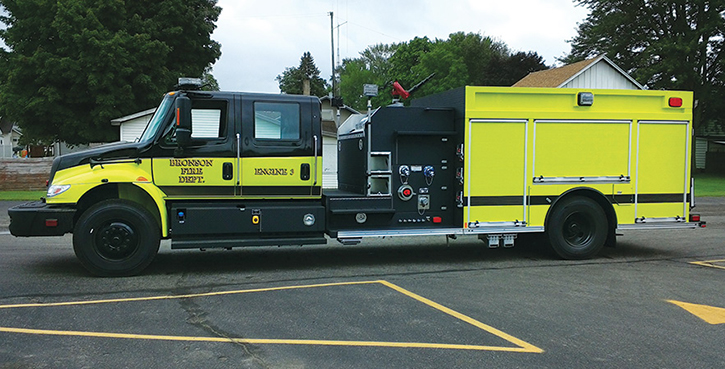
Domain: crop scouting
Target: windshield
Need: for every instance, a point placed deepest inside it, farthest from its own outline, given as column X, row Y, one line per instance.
column 157, row 119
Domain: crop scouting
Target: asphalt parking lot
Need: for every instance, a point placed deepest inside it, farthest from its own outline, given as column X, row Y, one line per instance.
column 654, row 301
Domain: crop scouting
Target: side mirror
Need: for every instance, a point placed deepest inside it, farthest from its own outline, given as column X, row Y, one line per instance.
column 183, row 121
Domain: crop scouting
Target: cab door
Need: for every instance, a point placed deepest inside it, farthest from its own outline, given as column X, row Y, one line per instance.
column 281, row 147
column 207, row 167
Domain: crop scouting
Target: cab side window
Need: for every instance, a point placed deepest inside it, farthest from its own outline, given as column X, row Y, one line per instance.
column 208, row 122
column 276, row 121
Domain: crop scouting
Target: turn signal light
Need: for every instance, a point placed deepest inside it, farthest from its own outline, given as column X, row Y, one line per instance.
column 51, row 222
column 675, row 102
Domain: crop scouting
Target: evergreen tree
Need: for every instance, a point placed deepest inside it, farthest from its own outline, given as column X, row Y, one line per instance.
column 291, row 81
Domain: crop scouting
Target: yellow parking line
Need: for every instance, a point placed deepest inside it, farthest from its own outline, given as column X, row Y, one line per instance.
column 522, row 345
column 173, row 297
column 709, row 263
column 261, row 340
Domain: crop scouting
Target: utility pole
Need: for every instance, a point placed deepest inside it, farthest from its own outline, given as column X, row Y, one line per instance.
column 332, row 42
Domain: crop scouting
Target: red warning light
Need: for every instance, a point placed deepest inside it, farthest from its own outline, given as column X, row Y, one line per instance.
column 437, row 220
column 407, row 192
column 675, row 102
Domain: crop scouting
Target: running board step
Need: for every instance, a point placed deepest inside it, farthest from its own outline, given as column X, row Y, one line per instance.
column 194, row 243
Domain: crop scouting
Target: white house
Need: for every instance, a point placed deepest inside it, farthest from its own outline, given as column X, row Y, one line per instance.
column 131, row 127
column 595, row 73
column 9, row 136
column 330, row 122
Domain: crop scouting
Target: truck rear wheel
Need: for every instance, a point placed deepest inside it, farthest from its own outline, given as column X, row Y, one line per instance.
column 116, row 238
column 577, row 228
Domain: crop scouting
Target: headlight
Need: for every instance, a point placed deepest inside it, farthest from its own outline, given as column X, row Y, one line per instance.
column 55, row 190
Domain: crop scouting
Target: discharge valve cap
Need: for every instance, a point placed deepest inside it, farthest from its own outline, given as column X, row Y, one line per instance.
column 405, row 192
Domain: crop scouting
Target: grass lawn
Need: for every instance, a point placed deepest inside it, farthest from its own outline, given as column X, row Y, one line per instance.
column 709, row 185
column 21, row 195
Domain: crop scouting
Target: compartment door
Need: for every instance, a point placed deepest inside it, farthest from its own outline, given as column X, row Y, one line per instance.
column 495, row 186
column 662, row 169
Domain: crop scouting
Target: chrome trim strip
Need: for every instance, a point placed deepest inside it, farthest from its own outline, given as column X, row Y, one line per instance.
column 612, row 121
column 503, row 230
column 629, row 150
column 315, row 143
column 342, row 235
column 676, row 219
column 687, row 167
column 474, row 120
column 659, row 225
column 517, row 224
column 636, row 172
column 601, row 179
column 469, row 171
column 239, row 166
column 526, row 169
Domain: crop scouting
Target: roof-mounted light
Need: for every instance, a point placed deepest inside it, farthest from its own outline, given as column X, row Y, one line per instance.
column 186, row 83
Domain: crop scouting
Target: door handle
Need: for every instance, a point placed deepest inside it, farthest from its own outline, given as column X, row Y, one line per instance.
column 305, row 171
column 227, row 171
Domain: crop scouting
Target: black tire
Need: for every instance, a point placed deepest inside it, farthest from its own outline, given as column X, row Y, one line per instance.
column 577, row 228
column 116, row 238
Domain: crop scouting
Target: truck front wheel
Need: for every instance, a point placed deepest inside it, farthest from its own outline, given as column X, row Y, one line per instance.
column 577, row 228
column 116, row 238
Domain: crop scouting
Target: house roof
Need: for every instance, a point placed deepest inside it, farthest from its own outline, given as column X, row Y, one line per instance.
column 6, row 126
column 118, row 121
column 558, row 77
column 345, row 107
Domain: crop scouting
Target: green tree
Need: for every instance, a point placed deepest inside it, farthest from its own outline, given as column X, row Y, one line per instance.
column 505, row 70
column 372, row 67
column 463, row 59
column 662, row 44
column 291, row 81
column 73, row 65
column 208, row 82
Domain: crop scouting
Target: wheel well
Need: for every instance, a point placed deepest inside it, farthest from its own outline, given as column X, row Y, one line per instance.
column 126, row 191
column 600, row 199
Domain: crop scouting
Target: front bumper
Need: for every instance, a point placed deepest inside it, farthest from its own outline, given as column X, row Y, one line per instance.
column 40, row 219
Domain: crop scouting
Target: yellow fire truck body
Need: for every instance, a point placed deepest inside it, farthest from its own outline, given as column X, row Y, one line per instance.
column 223, row 169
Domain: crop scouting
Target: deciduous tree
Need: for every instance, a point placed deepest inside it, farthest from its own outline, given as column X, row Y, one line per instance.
column 73, row 65
column 663, row 44
column 463, row 59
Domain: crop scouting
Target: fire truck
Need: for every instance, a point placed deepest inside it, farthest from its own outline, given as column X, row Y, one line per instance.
column 227, row 169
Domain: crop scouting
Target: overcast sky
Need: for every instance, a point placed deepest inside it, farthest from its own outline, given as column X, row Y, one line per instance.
column 261, row 38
